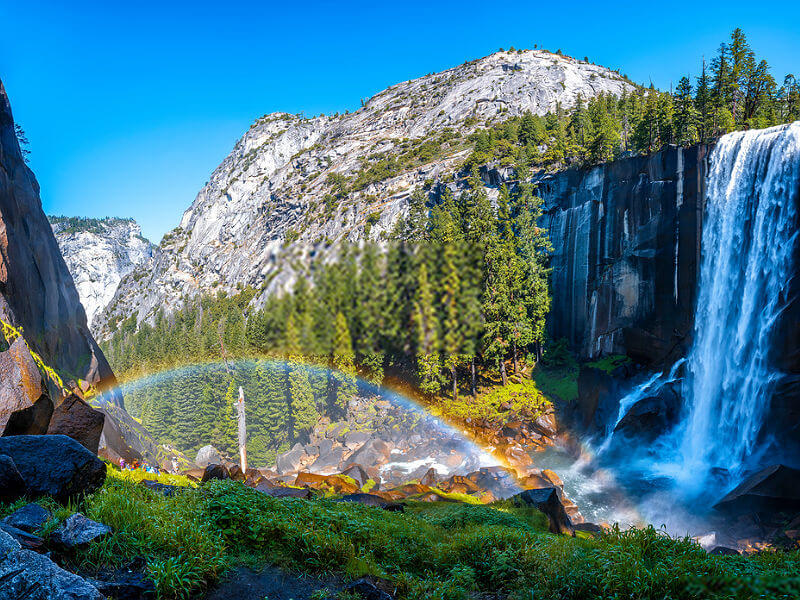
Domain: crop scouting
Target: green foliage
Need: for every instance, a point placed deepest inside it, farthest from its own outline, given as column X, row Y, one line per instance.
column 438, row 550
column 609, row 363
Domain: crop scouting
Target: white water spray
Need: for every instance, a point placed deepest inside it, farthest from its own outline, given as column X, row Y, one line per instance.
column 747, row 245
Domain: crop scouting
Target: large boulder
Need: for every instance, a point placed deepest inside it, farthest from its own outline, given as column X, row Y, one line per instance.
column 12, row 485
column 76, row 419
column 547, row 501
column 773, row 489
column 20, row 380
column 374, row 452
column 54, row 465
column 208, row 455
column 33, row 420
column 652, row 416
column 214, row 471
column 290, row 461
column 32, row 576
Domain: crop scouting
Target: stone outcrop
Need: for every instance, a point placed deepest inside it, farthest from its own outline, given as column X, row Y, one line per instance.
column 263, row 215
column 99, row 253
column 37, row 293
column 626, row 251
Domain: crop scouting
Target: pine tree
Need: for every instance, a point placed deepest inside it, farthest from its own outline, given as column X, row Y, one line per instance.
column 427, row 334
column 343, row 361
column 686, row 116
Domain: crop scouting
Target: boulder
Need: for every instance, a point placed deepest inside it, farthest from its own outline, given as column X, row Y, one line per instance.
column 328, row 461
column 366, row 589
column 652, row 416
column 32, row 576
column 355, row 439
column 372, row 453
column 547, row 501
column 54, row 465
column 78, row 532
column 33, row 420
column 287, row 492
column 125, row 586
column 358, row 473
column 335, row 483
column 20, row 380
column 76, row 419
column 290, row 461
column 723, row 551
column 214, row 471
column 373, row 500
column 28, row 518
column 773, row 489
column 12, row 485
column 207, row 455
column 430, row 478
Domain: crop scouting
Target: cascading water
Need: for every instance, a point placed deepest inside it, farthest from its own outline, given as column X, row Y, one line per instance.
column 749, row 233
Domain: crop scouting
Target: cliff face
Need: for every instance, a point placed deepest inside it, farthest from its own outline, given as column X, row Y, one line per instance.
column 36, row 290
column 271, row 207
column 626, row 238
column 99, row 253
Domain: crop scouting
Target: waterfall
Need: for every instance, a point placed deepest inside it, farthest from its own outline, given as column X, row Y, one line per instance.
column 749, row 233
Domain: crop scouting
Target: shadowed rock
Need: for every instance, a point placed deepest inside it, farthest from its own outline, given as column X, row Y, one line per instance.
column 76, row 419
column 12, row 485
column 54, row 465
column 547, row 501
column 33, row 420
column 773, row 489
column 28, row 518
column 213, row 471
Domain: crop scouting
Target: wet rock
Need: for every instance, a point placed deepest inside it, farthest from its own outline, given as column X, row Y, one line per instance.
column 214, row 471
column 430, row 478
column 207, row 455
column 33, row 420
column 32, row 576
column 336, row 483
column 20, row 380
column 547, row 501
column 355, row 439
column 76, row 419
column 773, row 489
column 652, row 416
column 588, row 527
column 329, row 461
column 54, row 465
column 373, row 452
column 367, row 590
column 28, row 518
column 598, row 399
column 78, row 532
column 553, row 478
column 125, row 586
column 12, row 485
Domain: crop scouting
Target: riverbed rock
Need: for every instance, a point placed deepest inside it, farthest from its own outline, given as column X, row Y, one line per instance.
column 214, row 471
column 28, row 518
column 287, row 492
column 77, row 531
column 27, row 575
column 54, row 465
column 28, row 541
column 366, row 589
column 290, row 461
column 76, row 419
column 547, row 501
column 125, row 586
column 207, row 455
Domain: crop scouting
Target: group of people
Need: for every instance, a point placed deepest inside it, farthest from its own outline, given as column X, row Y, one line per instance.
column 147, row 467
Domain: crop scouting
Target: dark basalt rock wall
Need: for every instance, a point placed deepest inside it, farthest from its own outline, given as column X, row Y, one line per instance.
column 36, row 290
column 626, row 253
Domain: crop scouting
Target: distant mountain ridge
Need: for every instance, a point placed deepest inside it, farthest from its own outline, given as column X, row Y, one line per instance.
column 99, row 253
column 276, row 203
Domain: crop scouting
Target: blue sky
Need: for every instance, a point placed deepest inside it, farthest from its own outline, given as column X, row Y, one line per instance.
column 130, row 106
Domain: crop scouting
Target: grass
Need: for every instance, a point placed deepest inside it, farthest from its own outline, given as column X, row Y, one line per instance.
column 557, row 383
column 610, row 362
column 439, row 551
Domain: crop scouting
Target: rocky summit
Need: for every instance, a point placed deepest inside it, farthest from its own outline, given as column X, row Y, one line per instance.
column 99, row 253
column 275, row 203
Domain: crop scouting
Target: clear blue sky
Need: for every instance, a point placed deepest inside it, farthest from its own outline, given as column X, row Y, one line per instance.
column 130, row 106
